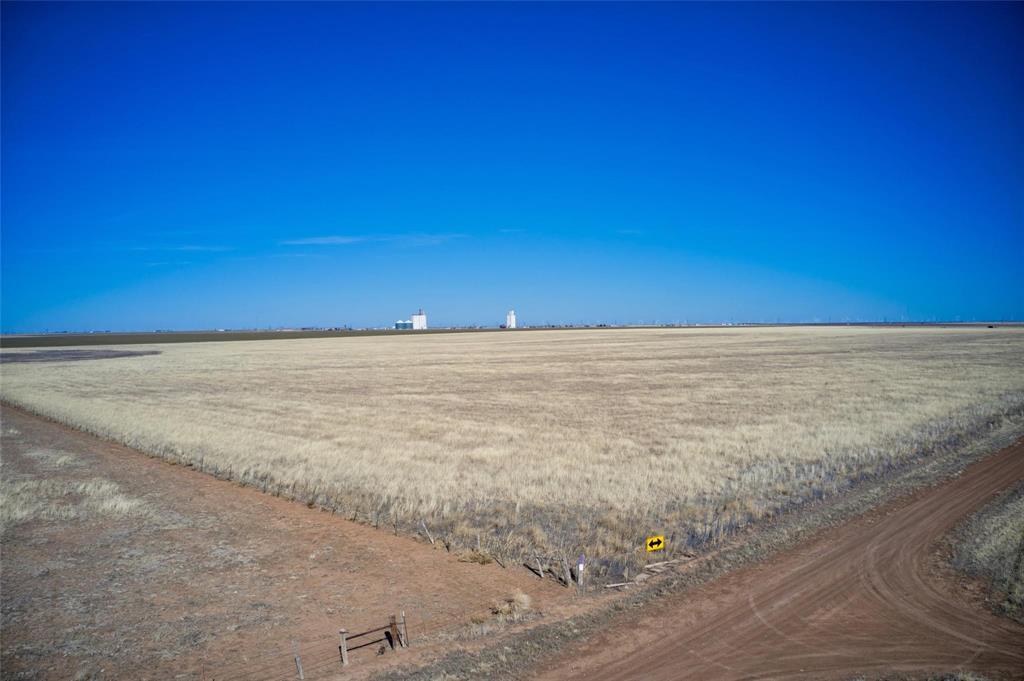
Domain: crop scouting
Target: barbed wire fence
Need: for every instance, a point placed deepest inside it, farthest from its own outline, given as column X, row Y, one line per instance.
column 320, row 658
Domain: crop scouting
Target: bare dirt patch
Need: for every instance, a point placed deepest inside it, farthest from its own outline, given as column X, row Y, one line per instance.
column 205, row 578
column 70, row 355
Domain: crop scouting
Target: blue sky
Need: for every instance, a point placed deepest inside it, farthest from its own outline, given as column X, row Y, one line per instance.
column 185, row 165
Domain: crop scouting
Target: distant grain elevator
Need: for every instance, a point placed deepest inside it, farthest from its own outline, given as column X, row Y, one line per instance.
column 419, row 321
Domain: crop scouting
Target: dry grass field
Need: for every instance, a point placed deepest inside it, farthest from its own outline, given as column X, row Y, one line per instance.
column 557, row 440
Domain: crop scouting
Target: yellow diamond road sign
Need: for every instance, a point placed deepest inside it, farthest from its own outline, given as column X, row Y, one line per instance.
column 656, row 543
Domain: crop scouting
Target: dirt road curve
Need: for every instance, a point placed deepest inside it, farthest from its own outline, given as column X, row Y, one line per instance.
column 867, row 597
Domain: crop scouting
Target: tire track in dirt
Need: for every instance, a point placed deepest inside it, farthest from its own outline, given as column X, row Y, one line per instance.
column 861, row 598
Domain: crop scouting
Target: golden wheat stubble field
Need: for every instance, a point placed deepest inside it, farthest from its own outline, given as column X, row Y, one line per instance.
column 554, row 441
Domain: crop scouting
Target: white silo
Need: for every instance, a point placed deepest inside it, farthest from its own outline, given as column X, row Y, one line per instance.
column 510, row 319
column 419, row 321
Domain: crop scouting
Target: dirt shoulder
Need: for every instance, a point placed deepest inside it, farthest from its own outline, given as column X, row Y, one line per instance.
column 207, row 579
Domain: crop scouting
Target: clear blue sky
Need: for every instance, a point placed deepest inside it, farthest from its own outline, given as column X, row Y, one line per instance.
column 187, row 165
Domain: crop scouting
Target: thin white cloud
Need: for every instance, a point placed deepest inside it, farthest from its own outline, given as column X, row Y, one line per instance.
column 282, row 255
column 185, row 248
column 423, row 239
column 326, row 241
column 411, row 239
column 204, row 249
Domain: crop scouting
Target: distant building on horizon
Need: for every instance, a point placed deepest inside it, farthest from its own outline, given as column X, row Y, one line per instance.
column 510, row 319
column 419, row 321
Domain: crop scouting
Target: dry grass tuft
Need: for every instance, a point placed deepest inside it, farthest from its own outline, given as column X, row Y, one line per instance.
column 52, row 459
column 23, row 500
column 513, row 607
column 475, row 557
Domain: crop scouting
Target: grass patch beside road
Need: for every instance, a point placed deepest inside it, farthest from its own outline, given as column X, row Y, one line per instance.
column 990, row 547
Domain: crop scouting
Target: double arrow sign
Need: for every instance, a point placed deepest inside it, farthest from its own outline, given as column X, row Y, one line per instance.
column 656, row 543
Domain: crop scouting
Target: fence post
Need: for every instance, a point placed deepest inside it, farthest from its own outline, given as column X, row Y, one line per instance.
column 405, row 632
column 344, row 647
column 393, row 626
column 298, row 661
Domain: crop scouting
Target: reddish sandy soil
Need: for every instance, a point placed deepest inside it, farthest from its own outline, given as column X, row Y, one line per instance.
column 217, row 581
column 868, row 597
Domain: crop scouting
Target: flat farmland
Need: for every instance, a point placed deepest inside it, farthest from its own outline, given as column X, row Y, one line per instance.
column 549, row 441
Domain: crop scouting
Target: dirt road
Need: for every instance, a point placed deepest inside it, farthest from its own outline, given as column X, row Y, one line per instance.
column 865, row 598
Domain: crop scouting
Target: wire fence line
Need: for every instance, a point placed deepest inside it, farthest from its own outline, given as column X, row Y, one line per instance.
column 253, row 664
column 320, row 655
column 313, row 659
